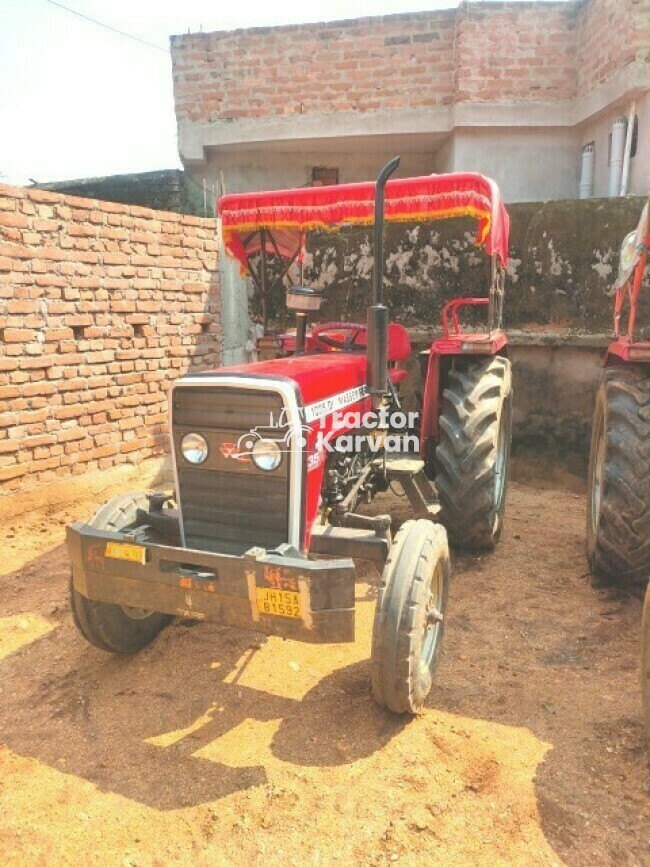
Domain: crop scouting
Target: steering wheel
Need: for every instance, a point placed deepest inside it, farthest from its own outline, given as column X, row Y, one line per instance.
column 322, row 341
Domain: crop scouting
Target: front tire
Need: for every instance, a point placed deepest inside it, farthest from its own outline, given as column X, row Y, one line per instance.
column 409, row 617
column 473, row 452
column 109, row 627
column 618, row 504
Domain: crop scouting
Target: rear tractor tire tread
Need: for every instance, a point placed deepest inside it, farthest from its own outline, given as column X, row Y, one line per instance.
column 620, row 547
column 476, row 395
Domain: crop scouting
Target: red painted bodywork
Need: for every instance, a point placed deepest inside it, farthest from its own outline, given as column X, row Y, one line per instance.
column 316, row 377
column 625, row 348
column 454, row 342
column 399, row 345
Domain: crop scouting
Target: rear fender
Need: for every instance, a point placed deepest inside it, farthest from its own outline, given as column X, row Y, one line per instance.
column 440, row 357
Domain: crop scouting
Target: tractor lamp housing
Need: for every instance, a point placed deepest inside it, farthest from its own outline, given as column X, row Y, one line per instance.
column 304, row 299
column 266, row 455
column 195, row 448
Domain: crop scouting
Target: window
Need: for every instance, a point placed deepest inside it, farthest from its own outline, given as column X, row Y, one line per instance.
column 324, row 177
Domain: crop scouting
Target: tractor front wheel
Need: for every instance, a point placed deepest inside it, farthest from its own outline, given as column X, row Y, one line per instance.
column 409, row 616
column 116, row 628
column 618, row 503
column 473, row 452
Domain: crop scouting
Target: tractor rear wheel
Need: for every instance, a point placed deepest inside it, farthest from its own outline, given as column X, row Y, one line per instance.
column 618, row 504
column 116, row 628
column 409, row 616
column 473, row 452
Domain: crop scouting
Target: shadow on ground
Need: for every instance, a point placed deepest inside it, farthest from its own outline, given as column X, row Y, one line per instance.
column 530, row 644
column 92, row 714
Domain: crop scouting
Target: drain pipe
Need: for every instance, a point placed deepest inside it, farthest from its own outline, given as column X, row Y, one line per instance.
column 587, row 172
column 625, row 174
column 616, row 157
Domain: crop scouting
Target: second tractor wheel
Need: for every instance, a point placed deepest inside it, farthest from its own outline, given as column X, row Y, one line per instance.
column 473, row 452
column 409, row 616
column 116, row 628
column 618, row 503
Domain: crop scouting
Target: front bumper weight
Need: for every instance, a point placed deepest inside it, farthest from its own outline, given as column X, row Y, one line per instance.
column 222, row 588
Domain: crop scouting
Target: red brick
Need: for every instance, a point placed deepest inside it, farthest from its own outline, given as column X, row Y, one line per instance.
column 43, row 196
column 38, row 363
column 12, row 219
column 18, row 335
column 45, row 226
column 16, row 251
column 22, row 306
column 13, row 472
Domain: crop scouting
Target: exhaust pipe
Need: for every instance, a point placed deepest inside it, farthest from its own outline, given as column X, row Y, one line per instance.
column 378, row 312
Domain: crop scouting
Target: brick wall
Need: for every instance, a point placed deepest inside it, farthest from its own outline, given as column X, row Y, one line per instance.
column 522, row 51
column 366, row 64
column 101, row 306
column 613, row 33
column 532, row 51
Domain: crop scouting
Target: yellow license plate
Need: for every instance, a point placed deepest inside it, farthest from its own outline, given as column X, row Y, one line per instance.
column 122, row 551
column 282, row 603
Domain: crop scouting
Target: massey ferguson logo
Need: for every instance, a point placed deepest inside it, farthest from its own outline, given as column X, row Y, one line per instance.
column 230, row 450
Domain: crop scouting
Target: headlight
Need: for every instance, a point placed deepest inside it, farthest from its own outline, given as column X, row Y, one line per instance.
column 266, row 455
column 194, row 448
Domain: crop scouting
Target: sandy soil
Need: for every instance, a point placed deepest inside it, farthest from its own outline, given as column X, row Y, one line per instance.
column 220, row 747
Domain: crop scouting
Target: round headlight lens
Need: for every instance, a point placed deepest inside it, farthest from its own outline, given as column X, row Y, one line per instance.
column 266, row 455
column 194, row 448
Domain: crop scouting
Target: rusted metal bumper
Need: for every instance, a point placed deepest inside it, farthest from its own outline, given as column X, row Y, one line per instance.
column 230, row 590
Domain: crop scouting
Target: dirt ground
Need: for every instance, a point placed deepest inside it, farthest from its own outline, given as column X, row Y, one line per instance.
column 216, row 747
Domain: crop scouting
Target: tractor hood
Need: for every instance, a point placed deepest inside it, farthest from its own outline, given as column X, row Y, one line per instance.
column 317, row 377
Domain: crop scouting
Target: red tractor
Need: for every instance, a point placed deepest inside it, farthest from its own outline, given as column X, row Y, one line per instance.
column 273, row 459
column 618, row 514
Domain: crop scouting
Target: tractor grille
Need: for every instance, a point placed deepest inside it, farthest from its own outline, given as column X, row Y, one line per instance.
column 228, row 505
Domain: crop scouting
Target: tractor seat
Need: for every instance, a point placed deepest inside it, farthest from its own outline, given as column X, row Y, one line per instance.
column 399, row 345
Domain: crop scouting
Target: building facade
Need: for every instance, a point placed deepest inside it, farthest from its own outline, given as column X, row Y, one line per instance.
column 538, row 95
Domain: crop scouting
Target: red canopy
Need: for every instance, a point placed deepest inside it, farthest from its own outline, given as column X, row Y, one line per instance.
column 290, row 213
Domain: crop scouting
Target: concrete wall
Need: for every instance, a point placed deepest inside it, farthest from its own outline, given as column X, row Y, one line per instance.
column 102, row 306
column 555, row 388
column 167, row 190
column 238, row 333
column 522, row 161
column 554, row 382
column 563, row 261
column 251, row 169
column 598, row 131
